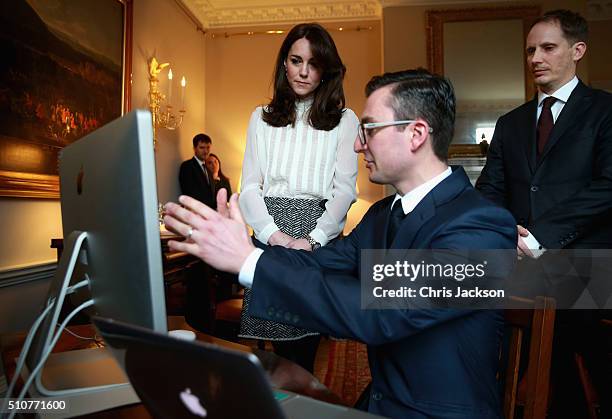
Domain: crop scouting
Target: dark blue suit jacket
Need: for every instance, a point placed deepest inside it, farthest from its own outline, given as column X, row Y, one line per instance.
column 425, row 363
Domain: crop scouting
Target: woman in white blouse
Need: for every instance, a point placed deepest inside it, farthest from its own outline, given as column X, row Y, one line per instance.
column 299, row 169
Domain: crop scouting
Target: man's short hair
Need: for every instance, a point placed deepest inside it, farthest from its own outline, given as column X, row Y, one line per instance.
column 574, row 27
column 421, row 94
column 201, row 138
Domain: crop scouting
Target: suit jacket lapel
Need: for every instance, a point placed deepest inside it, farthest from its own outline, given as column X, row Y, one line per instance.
column 528, row 131
column 578, row 103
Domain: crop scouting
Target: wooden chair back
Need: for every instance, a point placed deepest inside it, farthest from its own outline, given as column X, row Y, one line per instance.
column 537, row 319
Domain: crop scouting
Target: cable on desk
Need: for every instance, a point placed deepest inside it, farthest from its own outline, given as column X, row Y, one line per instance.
column 25, row 349
column 95, row 337
column 46, row 354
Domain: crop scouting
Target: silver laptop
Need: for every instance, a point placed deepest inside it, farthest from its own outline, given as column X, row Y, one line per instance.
column 181, row 379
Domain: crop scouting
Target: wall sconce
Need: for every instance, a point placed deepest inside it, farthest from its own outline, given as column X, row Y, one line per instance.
column 168, row 119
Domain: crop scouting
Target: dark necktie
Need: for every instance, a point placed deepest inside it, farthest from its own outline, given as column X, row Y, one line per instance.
column 206, row 173
column 395, row 219
column 545, row 123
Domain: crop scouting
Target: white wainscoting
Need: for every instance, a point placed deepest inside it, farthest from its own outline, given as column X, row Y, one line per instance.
column 22, row 292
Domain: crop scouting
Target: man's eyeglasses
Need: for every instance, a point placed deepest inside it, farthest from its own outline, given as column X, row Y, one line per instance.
column 365, row 128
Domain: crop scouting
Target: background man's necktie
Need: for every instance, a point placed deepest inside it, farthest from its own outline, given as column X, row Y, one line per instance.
column 395, row 219
column 205, row 173
column 545, row 123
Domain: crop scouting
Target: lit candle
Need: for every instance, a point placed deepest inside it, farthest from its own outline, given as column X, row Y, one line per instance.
column 183, row 85
column 169, row 86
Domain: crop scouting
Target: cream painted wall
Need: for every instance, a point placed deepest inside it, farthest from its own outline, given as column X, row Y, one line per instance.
column 161, row 29
column 496, row 76
column 238, row 78
column 28, row 226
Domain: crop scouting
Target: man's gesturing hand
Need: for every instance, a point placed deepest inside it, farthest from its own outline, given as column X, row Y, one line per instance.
column 220, row 239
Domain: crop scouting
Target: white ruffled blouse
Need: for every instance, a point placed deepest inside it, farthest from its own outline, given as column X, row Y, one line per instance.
column 299, row 162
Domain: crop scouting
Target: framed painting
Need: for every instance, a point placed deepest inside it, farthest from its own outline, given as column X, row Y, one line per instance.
column 65, row 71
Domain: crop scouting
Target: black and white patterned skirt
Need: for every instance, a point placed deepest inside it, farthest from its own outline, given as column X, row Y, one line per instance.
column 296, row 218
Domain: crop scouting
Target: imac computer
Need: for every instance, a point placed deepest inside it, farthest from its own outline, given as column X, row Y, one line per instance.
column 112, row 240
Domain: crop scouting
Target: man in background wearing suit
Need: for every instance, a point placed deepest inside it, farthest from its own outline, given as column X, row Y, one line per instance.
column 550, row 164
column 195, row 179
column 425, row 363
column 197, row 182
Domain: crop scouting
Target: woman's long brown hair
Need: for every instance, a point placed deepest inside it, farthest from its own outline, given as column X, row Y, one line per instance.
column 328, row 98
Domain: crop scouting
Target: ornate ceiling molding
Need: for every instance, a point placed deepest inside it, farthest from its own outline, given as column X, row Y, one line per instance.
column 214, row 14
column 395, row 3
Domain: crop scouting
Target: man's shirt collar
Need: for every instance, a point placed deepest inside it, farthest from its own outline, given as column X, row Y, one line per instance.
column 562, row 94
column 198, row 160
column 411, row 199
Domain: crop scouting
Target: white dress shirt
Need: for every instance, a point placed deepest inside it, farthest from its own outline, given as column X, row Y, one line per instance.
column 562, row 95
column 299, row 162
column 409, row 202
column 412, row 198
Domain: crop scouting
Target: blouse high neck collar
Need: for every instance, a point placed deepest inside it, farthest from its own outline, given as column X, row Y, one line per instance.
column 302, row 105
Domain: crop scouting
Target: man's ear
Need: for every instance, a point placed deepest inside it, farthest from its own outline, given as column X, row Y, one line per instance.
column 420, row 133
column 579, row 51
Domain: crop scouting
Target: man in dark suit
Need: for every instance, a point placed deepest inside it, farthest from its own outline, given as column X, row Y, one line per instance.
column 425, row 363
column 550, row 164
column 195, row 179
column 197, row 182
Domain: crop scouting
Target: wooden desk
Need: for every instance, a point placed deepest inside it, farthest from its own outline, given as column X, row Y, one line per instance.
column 173, row 262
column 283, row 374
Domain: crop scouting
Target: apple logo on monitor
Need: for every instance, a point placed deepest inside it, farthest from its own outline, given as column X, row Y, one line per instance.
column 192, row 403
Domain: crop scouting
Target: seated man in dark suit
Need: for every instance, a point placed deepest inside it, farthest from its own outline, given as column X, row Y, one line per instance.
column 194, row 178
column 425, row 363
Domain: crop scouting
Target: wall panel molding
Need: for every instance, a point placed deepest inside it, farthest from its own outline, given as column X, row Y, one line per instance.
column 18, row 276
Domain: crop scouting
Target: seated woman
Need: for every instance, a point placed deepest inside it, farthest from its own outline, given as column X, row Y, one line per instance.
column 213, row 164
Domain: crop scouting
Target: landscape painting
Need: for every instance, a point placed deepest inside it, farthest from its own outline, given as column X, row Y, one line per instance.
column 63, row 73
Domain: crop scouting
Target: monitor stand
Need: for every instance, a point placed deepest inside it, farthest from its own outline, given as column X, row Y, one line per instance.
column 89, row 380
